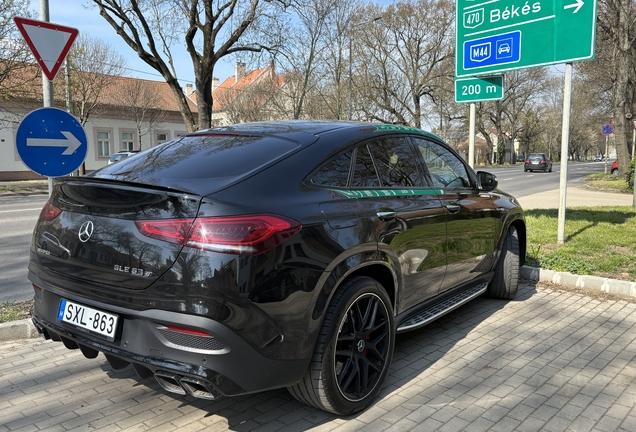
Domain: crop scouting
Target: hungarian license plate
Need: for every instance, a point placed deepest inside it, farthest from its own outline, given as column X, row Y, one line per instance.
column 94, row 320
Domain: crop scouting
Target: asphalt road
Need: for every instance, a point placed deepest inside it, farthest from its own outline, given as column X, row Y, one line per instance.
column 519, row 184
column 18, row 215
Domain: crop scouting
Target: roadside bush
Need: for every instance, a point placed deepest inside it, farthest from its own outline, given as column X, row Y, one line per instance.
column 629, row 176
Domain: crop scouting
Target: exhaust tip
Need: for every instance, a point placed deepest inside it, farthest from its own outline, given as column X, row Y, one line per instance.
column 169, row 382
column 197, row 389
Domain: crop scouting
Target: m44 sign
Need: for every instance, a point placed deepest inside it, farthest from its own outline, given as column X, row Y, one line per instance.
column 494, row 36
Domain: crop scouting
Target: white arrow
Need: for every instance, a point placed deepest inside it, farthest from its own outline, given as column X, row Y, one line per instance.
column 578, row 5
column 71, row 143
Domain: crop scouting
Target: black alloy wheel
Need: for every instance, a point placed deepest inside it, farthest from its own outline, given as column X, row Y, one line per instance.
column 362, row 347
column 354, row 350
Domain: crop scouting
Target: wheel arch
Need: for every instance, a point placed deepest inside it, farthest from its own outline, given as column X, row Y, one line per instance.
column 369, row 263
column 519, row 223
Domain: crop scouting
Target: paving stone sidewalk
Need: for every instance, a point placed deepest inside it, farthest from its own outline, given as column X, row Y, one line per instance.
column 547, row 361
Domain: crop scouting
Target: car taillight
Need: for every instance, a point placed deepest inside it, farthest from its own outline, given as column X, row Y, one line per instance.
column 49, row 212
column 527, row 161
column 245, row 235
column 169, row 230
column 543, row 162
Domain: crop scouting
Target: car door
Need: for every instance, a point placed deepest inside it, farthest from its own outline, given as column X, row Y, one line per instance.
column 406, row 213
column 471, row 214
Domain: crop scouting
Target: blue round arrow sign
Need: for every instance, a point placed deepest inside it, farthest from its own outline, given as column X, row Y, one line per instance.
column 51, row 142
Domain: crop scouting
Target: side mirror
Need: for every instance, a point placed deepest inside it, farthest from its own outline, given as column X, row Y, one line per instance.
column 486, row 181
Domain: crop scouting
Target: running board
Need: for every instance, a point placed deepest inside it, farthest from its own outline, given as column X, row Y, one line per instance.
column 437, row 310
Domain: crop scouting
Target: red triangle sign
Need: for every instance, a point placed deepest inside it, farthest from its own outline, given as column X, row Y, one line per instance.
column 50, row 43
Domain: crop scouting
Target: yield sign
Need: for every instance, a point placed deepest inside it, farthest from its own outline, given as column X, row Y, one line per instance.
column 50, row 43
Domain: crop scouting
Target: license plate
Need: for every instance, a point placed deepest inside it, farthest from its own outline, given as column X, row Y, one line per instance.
column 94, row 320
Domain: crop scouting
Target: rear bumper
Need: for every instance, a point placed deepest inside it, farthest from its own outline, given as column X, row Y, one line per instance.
column 228, row 366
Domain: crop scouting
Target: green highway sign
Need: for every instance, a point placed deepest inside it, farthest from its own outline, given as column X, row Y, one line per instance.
column 494, row 36
column 482, row 89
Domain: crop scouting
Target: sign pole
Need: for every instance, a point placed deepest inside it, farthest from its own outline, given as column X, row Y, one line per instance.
column 606, row 150
column 565, row 137
column 471, row 136
column 47, row 86
column 633, row 156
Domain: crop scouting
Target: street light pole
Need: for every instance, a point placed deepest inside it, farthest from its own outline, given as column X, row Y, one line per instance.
column 351, row 60
column 350, row 77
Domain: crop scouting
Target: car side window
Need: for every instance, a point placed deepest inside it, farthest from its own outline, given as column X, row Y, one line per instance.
column 395, row 162
column 445, row 169
column 364, row 175
column 334, row 173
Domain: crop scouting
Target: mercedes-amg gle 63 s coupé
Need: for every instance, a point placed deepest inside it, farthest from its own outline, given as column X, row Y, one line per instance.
column 280, row 254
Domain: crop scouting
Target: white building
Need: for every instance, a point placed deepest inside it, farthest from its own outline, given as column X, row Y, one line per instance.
column 129, row 114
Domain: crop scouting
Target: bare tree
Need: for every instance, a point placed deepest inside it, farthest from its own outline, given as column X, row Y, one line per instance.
column 617, row 25
column 17, row 74
column 94, row 66
column 142, row 103
column 407, row 59
column 210, row 31
column 302, row 56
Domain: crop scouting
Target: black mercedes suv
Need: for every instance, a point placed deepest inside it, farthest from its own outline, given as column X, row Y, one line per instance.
column 266, row 255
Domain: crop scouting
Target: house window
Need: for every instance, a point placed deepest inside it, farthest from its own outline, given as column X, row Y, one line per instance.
column 162, row 137
column 103, row 144
column 127, row 141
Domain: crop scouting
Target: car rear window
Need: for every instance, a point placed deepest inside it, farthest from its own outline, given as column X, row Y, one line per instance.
column 201, row 157
column 534, row 158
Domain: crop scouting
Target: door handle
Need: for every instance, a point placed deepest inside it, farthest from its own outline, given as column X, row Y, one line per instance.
column 386, row 215
column 452, row 207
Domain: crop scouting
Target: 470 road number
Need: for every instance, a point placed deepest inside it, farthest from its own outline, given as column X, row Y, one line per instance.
column 94, row 320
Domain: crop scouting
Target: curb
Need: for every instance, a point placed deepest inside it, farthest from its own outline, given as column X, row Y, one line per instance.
column 24, row 329
column 592, row 283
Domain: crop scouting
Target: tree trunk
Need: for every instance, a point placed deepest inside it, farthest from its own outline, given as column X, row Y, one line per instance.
column 622, row 133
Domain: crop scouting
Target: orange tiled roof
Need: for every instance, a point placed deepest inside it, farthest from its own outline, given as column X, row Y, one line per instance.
column 230, row 89
column 25, row 82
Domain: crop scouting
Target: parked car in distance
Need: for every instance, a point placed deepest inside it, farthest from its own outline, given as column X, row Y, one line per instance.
column 537, row 162
column 614, row 169
column 598, row 158
column 520, row 158
column 116, row 157
column 267, row 255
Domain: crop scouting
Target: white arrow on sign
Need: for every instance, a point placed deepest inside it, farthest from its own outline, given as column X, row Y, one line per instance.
column 71, row 143
column 578, row 5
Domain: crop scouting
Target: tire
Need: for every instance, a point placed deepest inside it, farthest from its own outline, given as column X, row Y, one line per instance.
column 550, row 170
column 505, row 283
column 525, row 170
column 356, row 337
column 615, row 171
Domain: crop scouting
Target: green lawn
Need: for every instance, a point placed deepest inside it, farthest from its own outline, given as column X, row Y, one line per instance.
column 598, row 241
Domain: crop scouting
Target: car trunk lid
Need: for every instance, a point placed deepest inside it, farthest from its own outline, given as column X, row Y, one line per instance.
column 95, row 236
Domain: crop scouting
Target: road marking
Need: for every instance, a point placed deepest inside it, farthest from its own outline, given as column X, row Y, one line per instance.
column 12, row 211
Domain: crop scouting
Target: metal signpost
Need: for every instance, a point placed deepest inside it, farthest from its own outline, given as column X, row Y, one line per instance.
column 480, row 89
column 50, row 44
column 51, row 142
column 607, row 130
column 495, row 35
